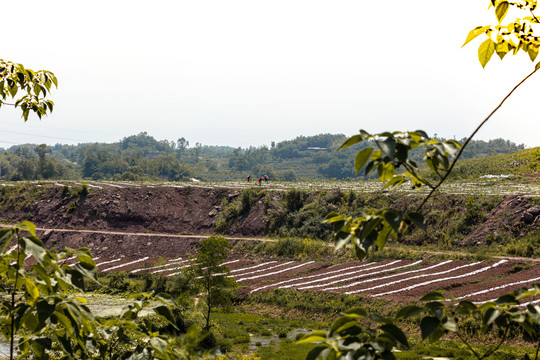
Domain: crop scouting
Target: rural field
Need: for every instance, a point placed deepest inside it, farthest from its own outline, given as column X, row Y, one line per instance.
column 153, row 230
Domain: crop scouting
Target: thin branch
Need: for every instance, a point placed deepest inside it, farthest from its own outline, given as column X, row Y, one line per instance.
column 503, row 339
column 5, row 103
column 470, row 138
column 13, row 302
column 423, row 181
column 463, row 340
column 537, row 348
column 534, row 16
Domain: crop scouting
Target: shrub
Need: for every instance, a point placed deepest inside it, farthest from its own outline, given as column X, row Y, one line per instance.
column 117, row 282
column 83, row 190
column 71, row 207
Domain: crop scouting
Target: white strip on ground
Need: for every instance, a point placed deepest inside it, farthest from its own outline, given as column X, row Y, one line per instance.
column 72, row 265
column 126, row 264
column 254, row 266
column 442, row 279
column 11, row 249
column 171, row 268
column 391, row 276
column 310, row 276
column 158, row 266
column 269, row 268
column 175, row 273
column 496, row 288
column 108, row 262
column 230, row 262
column 275, row 272
column 361, row 275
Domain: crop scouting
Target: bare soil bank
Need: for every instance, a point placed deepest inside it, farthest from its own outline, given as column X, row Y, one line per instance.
column 196, row 210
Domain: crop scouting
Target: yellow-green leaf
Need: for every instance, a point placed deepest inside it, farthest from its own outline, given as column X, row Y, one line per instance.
column 313, row 337
column 386, row 171
column 351, row 141
column 533, row 52
column 485, row 51
column 501, row 10
column 362, row 158
column 474, row 33
column 81, row 299
column 31, row 290
column 502, row 48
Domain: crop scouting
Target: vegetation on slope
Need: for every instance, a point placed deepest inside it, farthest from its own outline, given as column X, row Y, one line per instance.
column 141, row 157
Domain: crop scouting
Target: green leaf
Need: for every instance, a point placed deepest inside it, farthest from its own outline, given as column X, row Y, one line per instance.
column 6, row 235
column 485, row 51
column 507, row 299
column 473, row 34
column 417, row 219
column 428, row 325
column 44, row 310
column 396, row 333
column 533, row 52
column 386, row 171
column 501, row 10
column 13, row 90
column 362, row 158
column 315, row 336
column 434, row 295
column 318, row 353
column 31, row 291
column 75, row 278
column 159, row 344
column 465, row 307
column 490, row 316
column 334, row 217
column 85, row 256
column 342, row 323
column 387, row 147
column 88, row 270
column 28, row 226
column 537, row 66
column 383, row 236
column 166, row 299
column 166, row 313
column 393, row 218
column 450, row 324
column 408, row 311
column 351, row 141
column 33, row 245
column 74, row 312
column 357, row 312
column 395, row 181
column 502, row 48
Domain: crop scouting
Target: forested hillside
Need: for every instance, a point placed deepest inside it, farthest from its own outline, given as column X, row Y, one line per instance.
column 141, row 157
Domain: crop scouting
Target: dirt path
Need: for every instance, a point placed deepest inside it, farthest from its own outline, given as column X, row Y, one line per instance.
column 236, row 238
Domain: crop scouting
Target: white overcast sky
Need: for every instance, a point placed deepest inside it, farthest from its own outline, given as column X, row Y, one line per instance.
column 242, row 73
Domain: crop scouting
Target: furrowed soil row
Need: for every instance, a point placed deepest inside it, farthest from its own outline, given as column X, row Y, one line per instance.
column 396, row 280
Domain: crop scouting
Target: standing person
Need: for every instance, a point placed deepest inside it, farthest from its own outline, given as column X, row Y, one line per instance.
column 260, row 179
column 266, row 178
column 248, row 178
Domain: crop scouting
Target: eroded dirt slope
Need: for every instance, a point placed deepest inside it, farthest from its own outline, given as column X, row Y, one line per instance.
column 164, row 209
column 196, row 210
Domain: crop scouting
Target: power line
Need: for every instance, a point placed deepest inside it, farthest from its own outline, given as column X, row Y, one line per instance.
column 41, row 136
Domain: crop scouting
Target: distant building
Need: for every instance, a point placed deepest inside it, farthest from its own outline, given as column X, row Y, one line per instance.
column 314, row 148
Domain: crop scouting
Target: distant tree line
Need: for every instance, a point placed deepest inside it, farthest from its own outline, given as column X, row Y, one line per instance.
column 141, row 157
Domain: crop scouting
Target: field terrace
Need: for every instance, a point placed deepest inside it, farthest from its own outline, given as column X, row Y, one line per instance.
column 484, row 186
column 396, row 280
